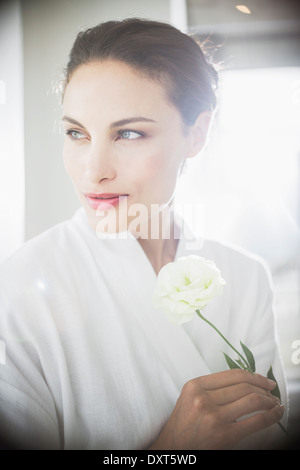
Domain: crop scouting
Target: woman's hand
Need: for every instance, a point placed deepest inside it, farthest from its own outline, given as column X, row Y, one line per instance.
column 207, row 409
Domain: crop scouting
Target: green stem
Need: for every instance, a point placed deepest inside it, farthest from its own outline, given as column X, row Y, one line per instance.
column 223, row 337
column 235, row 350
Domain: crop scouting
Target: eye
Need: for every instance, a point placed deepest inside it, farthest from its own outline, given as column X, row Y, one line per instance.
column 75, row 135
column 129, row 135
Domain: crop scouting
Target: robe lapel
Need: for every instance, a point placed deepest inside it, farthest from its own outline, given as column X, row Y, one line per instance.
column 133, row 272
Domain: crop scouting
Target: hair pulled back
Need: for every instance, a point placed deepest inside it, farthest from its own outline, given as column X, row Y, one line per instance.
column 158, row 50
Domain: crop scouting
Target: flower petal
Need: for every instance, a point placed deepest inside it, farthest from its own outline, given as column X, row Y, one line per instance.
column 185, row 285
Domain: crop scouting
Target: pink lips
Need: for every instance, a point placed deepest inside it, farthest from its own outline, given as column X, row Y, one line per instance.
column 104, row 201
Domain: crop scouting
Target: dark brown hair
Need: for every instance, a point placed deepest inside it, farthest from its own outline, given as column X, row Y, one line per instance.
column 158, row 50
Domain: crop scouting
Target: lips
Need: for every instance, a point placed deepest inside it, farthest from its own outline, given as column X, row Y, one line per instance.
column 104, row 201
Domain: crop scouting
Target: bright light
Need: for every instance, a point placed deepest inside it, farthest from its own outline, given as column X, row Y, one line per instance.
column 248, row 177
column 41, row 285
column 243, row 9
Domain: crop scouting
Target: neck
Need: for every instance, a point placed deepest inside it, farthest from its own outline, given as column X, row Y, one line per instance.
column 161, row 249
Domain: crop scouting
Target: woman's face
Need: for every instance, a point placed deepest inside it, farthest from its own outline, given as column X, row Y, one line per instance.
column 125, row 144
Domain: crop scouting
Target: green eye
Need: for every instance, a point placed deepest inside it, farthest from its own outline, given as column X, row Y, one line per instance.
column 129, row 135
column 126, row 134
column 74, row 135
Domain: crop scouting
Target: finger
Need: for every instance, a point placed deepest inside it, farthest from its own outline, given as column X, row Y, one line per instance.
column 233, row 377
column 252, row 403
column 225, row 395
column 257, row 422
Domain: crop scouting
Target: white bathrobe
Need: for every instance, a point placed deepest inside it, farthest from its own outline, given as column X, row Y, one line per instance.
column 90, row 363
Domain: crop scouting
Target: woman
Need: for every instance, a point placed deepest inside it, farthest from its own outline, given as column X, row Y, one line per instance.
column 90, row 362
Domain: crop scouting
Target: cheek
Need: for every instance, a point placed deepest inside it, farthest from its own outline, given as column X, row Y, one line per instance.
column 154, row 167
column 164, row 164
column 157, row 174
column 148, row 171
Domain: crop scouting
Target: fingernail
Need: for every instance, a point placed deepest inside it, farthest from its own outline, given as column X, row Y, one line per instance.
column 280, row 408
column 276, row 400
column 271, row 383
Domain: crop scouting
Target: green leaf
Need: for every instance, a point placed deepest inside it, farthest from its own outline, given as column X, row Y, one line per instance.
column 240, row 363
column 249, row 356
column 244, row 365
column 276, row 391
column 231, row 363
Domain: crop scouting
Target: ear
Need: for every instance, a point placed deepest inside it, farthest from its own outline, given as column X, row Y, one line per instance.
column 199, row 133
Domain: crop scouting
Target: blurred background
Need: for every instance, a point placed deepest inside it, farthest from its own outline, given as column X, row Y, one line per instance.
column 246, row 183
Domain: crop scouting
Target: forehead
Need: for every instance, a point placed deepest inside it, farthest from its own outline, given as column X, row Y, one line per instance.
column 110, row 87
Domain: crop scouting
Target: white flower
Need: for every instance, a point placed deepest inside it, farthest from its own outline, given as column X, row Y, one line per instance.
column 186, row 285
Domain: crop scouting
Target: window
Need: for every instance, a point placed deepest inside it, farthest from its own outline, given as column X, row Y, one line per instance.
column 247, row 180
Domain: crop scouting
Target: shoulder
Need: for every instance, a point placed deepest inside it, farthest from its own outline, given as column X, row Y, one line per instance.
column 227, row 252
column 43, row 245
column 238, row 264
column 43, row 255
column 39, row 278
column 248, row 294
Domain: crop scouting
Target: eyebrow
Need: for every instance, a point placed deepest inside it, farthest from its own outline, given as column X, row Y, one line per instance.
column 72, row 121
column 120, row 123
column 123, row 122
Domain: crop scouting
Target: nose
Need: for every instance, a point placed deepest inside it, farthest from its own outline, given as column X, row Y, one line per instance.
column 100, row 164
